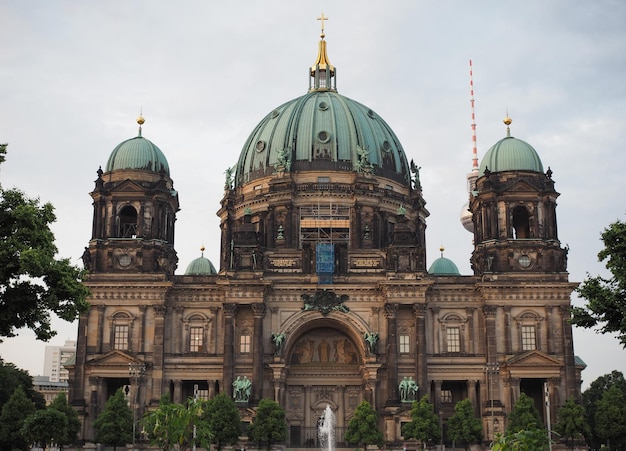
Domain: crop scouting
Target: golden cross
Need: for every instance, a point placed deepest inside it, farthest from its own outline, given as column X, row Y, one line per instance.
column 322, row 18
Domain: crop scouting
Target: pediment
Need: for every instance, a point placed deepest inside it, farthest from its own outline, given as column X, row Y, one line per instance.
column 521, row 185
column 114, row 359
column 534, row 363
column 129, row 186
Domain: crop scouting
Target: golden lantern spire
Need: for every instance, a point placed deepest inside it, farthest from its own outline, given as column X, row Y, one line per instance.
column 322, row 72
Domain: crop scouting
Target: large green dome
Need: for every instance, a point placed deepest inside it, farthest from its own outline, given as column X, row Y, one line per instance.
column 511, row 154
column 322, row 131
column 137, row 153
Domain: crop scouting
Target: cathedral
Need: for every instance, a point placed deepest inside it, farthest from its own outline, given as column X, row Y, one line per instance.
column 322, row 296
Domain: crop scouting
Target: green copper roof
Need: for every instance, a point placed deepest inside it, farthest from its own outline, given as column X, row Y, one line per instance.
column 510, row 154
column 200, row 266
column 137, row 153
column 322, row 130
column 443, row 267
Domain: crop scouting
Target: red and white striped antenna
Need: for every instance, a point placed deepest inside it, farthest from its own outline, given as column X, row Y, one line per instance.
column 474, row 145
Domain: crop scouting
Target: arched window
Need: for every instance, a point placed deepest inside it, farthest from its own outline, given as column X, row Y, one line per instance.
column 521, row 223
column 127, row 225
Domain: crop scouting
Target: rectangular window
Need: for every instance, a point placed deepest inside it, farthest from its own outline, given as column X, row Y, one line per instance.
column 446, row 396
column 405, row 347
column 529, row 339
column 453, row 339
column 196, row 337
column 244, row 344
column 120, row 337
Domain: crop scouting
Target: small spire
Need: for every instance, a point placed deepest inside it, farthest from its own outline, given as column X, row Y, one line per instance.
column 507, row 121
column 441, row 249
column 322, row 73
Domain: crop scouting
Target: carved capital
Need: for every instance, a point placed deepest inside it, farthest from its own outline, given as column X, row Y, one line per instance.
column 258, row 309
column 391, row 310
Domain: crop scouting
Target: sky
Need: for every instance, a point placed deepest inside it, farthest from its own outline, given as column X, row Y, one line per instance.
column 74, row 76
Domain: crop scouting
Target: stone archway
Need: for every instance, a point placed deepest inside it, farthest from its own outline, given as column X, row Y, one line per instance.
column 325, row 365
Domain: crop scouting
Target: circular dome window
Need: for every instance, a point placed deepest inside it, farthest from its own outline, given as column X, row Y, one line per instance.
column 386, row 146
column 275, row 114
column 524, row 261
column 371, row 113
column 323, row 106
column 323, row 136
column 260, row 146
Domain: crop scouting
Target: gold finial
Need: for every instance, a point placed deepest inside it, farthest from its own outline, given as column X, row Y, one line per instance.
column 322, row 18
column 507, row 121
column 140, row 120
column 202, row 250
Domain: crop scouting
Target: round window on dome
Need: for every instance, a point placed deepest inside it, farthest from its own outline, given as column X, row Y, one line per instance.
column 371, row 113
column 275, row 114
column 260, row 145
column 323, row 106
column 524, row 261
column 323, row 136
column 386, row 146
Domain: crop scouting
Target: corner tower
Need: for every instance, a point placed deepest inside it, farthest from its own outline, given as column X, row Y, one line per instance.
column 513, row 207
column 134, row 211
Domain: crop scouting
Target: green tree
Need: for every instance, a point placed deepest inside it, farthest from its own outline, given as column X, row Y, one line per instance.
column 571, row 424
column 611, row 418
column 363, row 427
column 524, row 415
column 424, row 424
column 269, row 425
column 464, row 425
column 606, row 298
column 12, row 377
column 114, row 425
column 14, row 412
column 223, row 420
column 73, row 423
column 45, row 427
column 523, row 440
column 33, row 282
column 173, row 425
column 593, row 394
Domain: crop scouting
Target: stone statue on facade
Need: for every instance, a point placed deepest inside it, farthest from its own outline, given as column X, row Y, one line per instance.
column 242, row 389
column 371, row 339
column 408, row 389
column 278, row 339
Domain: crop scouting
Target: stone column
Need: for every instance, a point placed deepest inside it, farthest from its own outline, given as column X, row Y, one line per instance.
column 508, row 347
column 421, row 364
column 230, row 310
column 142, row 330
column 158, row 352
column 568, row 353
column 471, row 394
column 258, row 311
column 391, row 311
column 99, row 345
column 178, row 391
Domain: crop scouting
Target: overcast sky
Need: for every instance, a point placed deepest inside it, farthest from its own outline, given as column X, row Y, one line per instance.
column 75, row 75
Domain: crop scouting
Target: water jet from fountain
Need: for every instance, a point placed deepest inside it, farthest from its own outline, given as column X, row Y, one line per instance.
column 326, row 430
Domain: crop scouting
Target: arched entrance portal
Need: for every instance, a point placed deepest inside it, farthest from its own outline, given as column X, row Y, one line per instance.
column 325, row 366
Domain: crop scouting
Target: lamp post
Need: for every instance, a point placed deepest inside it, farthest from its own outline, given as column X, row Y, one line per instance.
column 135, row 373
column 491, row 369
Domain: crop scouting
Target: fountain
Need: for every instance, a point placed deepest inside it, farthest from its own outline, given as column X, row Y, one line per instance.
column 326, row 430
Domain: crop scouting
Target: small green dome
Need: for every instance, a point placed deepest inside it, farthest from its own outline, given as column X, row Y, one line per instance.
column 138, row 153
column 443, row 267
column 511, row 154
column 200, row 266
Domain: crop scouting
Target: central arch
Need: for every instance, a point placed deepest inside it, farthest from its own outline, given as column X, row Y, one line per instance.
column 325, row 366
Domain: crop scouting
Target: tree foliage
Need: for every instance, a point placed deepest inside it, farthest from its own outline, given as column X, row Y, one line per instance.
column 524, row 416
column 269, row 425
column 571, row 424
column 606, row 297
column 523, row 440
column 45, row 427
column 114, row 425
column 14, row 412
column 172, row 425
column 611, row 418
column 593, row 394
column 12, row 377
column 33, row 282
column 424, row 424
column 363, row 427
column 464, row 425
column 60, row 404
column 223, row 420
